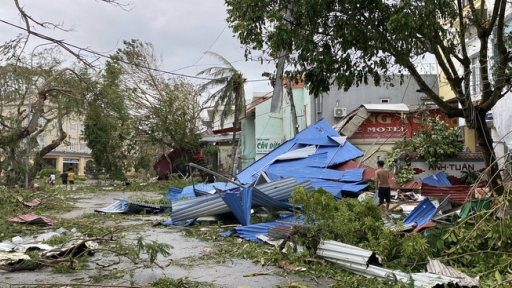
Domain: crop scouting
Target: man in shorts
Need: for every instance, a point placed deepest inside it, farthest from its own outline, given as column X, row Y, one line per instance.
column 64, row 177
column 382, row 184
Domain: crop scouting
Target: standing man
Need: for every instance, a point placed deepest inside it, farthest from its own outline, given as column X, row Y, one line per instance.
column 64, row 177
column 71, row 178
column 382, row 184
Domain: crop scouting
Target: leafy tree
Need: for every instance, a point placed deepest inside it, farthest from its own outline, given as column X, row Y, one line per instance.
column 138, row 112
column 436, row 141
column 348, row 43
column 107, row 125
column 229, row 99
column 37, row 92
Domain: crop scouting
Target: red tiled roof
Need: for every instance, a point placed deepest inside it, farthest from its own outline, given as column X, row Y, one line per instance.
column 458, row 193
column 256, row 103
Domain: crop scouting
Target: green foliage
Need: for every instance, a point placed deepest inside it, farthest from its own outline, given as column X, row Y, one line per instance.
column 360, row 224
column 45, row 173
column 437, row 142
column 404, row 175
column 469, row 177
column 481, row 244
column 210, row 150
column 167, row 282
column 434, row 142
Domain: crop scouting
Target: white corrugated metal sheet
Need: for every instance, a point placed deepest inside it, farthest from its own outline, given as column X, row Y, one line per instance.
column 363, row 262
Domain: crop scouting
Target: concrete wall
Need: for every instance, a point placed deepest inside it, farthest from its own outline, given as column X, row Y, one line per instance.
column 302, row 101
column 267, row 126
column 323, row 106
column 248, row 138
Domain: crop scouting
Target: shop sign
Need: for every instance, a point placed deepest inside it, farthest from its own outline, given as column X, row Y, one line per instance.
column 395, row 125
column 265, row 145
column 70, row 160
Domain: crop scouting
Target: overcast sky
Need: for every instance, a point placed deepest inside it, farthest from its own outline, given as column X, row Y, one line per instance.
column 180, row 30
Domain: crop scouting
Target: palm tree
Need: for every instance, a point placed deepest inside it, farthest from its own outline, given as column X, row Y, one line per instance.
column 230, row 96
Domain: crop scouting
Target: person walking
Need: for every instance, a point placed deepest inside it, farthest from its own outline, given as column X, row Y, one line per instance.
column 71, row 178
column 64, row 177
column 382, row 184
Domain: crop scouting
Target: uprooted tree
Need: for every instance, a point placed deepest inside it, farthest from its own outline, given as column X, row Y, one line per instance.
column 349, row 42
column 38, row 92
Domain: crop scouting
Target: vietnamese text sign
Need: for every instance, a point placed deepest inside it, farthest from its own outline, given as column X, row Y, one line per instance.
column 385, row 125
column 265, row 145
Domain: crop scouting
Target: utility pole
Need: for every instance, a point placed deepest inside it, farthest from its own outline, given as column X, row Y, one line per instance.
column 292, row 108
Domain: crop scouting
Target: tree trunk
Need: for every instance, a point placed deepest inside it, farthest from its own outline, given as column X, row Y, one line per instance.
column 485, row 142
column 292, row 109
column 233, row 140
column 38, row 160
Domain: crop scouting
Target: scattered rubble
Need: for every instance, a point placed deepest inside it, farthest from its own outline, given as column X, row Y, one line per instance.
column 31, row 218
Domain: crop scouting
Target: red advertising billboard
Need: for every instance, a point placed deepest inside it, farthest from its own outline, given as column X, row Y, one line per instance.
column 396, row 125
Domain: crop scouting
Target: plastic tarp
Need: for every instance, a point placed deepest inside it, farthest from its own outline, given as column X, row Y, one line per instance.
column 239, row 203
column 502, row 119
column 437, row 180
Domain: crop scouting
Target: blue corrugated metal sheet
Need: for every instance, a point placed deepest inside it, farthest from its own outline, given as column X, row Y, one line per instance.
column 213, row 205
column 273, row 177
column 341, row 154
column 422, row 213
column 329, row 152
column 176, row 194
column 252, row 231
column 249, row 174
column 437, row 180
column 292, row 169
column 353, row 187
column 239, row 202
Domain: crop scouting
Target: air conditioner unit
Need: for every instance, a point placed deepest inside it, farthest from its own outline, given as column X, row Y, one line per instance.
column 340, row 112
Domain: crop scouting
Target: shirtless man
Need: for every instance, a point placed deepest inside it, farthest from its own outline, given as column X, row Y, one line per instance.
column 382, row 184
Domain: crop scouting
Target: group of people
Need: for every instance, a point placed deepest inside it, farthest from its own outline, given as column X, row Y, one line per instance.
column 66, row 177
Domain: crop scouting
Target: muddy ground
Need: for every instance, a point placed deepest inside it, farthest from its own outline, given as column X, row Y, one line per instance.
column 183, row 260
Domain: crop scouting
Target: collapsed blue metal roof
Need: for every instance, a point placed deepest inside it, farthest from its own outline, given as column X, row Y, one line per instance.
column 251, row 232
column 424, row 212
column 239, row 202
column 331, row 149
column 437, row 180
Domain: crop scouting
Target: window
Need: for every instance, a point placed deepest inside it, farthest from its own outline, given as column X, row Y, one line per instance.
column 72, row 146
column 40, row 140
column 384, row 100
column 475, row 85
column 41, row 121
column 82, row 146
column 72, row 126
column 82, row 127
column 55, row 124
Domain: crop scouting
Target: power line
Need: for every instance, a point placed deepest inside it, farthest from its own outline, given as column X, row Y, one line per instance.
column 90, row 51
column 215, row 41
